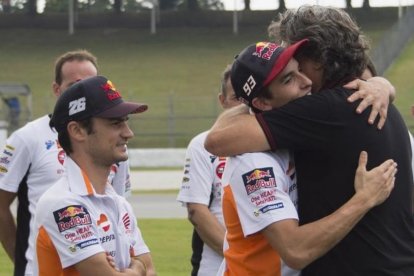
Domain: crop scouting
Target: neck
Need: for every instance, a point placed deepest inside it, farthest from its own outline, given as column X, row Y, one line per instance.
column 97, row 173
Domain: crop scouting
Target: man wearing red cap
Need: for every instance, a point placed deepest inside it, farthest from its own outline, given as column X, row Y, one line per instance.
column 260, row 191
column 82, row 226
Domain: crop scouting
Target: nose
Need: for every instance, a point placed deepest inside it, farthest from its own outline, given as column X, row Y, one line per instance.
column 305, row 81
column 127, row 133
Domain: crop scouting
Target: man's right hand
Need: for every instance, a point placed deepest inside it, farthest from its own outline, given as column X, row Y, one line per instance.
column 375, row 185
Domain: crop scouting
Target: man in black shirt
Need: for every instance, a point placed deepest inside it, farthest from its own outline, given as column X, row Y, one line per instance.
column 326, row 136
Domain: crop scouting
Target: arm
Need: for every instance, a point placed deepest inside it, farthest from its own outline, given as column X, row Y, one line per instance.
column 235, row 132
column 8, row 226
column 99, row 265
column 207, row 226
column 147, row 261
column 376, row 92
column 300, row 245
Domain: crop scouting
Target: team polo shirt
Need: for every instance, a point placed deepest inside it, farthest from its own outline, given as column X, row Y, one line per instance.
column 202, row 184
column 74, row 223
column 31, row 161
column 259, row 189
column 327, row 136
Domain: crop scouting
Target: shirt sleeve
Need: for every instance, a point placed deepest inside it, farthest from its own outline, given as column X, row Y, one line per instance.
column 71, row 231
column 15, row 159
column 198, row 176
column 303, row 124
column 261, row 190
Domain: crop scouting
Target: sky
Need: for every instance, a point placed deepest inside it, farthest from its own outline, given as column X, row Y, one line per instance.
column 274, row 4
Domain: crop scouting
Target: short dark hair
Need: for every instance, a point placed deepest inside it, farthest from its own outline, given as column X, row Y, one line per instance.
column 225, row 76
column 63, row 136
column 335, row 40
column 79, row 55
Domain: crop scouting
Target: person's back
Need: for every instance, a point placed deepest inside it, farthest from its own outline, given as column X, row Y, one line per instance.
column 326, row 140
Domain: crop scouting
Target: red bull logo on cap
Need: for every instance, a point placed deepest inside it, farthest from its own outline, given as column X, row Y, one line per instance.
column 259, row 178
column 111, row 91
column 265, row 50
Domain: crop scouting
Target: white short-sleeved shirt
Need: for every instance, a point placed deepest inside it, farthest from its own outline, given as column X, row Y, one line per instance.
column 30, row 162
column 202, row 184
column 73, row 223
column 258, row 190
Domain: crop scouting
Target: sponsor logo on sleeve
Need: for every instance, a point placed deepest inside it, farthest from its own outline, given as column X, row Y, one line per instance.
column 71, row 216
column 220, row 169
column 260, row 178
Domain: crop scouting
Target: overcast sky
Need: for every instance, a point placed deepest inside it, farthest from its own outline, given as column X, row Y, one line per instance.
column 274, row 4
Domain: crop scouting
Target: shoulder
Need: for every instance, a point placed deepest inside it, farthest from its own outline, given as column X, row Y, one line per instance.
column 32, row 130
column 198, row 140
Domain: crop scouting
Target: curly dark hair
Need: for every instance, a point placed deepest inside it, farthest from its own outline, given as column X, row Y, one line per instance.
column 335, row 40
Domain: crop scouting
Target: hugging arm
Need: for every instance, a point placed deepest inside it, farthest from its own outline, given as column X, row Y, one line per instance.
column 377, row 92
column 235, row 132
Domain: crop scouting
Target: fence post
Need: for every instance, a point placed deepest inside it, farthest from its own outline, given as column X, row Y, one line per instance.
column 171, row 120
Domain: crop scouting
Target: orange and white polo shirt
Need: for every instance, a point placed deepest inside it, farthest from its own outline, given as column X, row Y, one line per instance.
column 73, row 223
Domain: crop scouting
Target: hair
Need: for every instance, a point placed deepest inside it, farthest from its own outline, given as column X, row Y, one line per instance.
column 78, row 55
column 63, row 136
column 335, row 41
column 225, row 76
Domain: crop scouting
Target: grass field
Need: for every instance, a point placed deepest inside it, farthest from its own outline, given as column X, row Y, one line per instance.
column 176, row 71
column 168, row 239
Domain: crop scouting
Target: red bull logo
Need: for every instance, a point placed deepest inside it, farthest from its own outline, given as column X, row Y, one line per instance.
column 265, row 50
column 111, row 91
column 257, row 174
column 71, row 211
column 260, row 46
column 71, row 216
column 258, row 179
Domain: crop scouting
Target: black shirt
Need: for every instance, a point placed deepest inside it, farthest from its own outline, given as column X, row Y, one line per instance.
column 327, row 135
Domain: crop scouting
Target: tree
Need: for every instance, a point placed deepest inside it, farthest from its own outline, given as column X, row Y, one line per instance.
column 247, row 5
column 348, row 4
column 366, row 5
column 192, row 5
column 117, row 6
column 282, row 5
column 31, row 7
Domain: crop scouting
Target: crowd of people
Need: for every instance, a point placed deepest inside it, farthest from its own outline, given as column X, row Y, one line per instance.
column 298, row 175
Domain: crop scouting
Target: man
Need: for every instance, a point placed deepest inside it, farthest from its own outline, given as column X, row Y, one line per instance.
column 326, row 137
column 80, row 219
column 259, row 199
column 32, row 160
column 201, row 193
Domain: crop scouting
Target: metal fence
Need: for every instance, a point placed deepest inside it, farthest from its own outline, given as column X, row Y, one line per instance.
column 172, row 121
column 394, row 41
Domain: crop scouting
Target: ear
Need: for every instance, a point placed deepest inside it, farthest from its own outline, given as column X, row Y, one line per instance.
column 221, row 98
column 56, row 89
column 261, row 104
column 76, row 132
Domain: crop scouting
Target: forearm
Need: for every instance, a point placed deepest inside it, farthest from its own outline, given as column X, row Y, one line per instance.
column 147, row 261
column 208, row 227
column 138, row 266
column 8, row 232
column 235, row 132
column 299, row 246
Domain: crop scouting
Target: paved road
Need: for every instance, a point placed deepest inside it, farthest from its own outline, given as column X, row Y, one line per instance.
column 151, row 206
column 157, row 206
